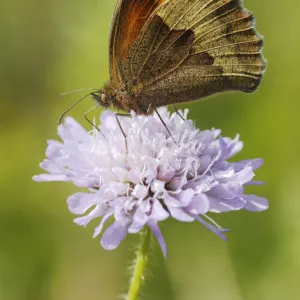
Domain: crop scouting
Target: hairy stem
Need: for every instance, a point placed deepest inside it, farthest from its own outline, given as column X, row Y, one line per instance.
column 140, row 265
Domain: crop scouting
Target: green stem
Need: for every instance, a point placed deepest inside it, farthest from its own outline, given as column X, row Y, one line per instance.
column 140, row 265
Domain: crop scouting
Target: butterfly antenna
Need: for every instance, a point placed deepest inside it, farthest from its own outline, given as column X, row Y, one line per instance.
column 89, row 121
column 74, row 91
column 73, row 105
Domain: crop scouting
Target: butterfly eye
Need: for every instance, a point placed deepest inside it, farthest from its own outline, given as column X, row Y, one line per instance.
column 101, row 98
column 104, row 99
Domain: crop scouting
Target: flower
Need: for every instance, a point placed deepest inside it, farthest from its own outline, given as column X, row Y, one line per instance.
column 138, row 174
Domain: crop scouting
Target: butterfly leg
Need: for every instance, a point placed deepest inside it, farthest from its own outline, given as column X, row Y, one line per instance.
column 123, row 115
column 150, row 108
column 89, row 121
column 178, row 113
column 119, row 124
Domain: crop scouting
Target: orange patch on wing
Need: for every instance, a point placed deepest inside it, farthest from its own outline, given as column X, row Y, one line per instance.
column 132, row 19
column 129, row 19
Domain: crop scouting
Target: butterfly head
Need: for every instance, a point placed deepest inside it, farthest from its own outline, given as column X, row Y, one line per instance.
column 101, row 98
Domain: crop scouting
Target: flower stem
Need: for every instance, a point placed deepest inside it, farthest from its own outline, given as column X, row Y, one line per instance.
column 140, row 265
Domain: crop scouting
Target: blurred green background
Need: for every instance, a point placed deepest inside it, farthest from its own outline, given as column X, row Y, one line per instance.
column 48, row 47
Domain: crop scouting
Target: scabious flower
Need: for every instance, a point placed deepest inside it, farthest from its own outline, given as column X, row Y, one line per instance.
column 149, row 176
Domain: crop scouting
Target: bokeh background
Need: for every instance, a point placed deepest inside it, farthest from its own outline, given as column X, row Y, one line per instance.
column 48, row 47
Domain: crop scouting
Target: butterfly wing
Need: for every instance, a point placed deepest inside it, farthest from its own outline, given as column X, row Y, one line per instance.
column 128, row 20
column 189, row 49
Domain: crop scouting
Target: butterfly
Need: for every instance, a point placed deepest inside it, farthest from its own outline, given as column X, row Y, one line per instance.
column 164, row 52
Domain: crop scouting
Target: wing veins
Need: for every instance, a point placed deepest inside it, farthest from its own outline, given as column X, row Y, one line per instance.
column 202, row 25
column 237, row 54
column 228, row 34
column 223, row 46
column 137, row 47
column 218, row 27
column 192, row 25
column 113, row 38
column 195, row 3
column 178, row 23
column 149, row 53
column 143, row 5
column 194, row 16
column 242, row 74
column 153, row 42
column 166, row 73
column 258, row 65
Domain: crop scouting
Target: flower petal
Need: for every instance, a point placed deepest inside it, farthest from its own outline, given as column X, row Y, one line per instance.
column 186, row 196
column 171, row 201
column 51, row 167
column 255, row 183
column 114, row 235
column 179, row 214
column 50, row 177
column 255, row 203
column 158, row 212
column 199, row 205
column 140, row 191
column 156, row 231
column 165, row 173
column 105, row 218
column 72, row 131
column 219, row 205
column 244, row 176
column 79, row 203
column 212, row 228
column 139, row 220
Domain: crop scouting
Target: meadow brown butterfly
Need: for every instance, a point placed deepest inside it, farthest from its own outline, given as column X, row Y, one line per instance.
column 170, row 51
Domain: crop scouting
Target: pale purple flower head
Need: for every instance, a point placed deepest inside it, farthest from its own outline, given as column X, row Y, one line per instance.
column 150, row 177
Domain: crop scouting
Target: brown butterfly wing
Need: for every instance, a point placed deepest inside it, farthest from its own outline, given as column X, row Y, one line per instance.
column 128, row 20
column 189, row 49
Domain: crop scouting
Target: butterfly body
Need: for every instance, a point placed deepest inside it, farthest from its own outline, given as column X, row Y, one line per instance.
column 170, row 51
